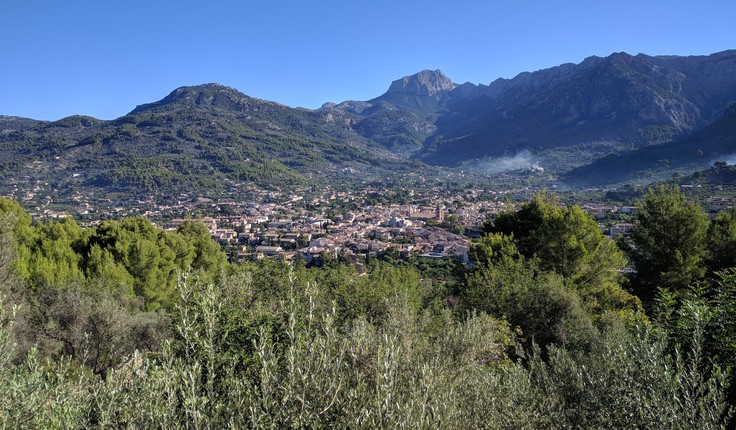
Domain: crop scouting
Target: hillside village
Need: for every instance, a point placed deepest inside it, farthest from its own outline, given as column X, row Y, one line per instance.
column 370, row 232
column 366, row 233
column 312, row 222
column 329, row 223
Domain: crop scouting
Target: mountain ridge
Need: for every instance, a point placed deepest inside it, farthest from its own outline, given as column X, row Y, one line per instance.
column 622, row 98
column 566, row 116
column 698, row 150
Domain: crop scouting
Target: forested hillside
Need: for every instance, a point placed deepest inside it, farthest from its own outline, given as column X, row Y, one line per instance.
column 610, row 119
column 125, row 325
column 207, row 139
column 713, row 143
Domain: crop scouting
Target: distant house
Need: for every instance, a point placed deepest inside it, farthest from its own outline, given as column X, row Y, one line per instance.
column 289, row 237
column 243, row 253
column 423, row 216
column 225, row 236
column 399, row 222
column 405, row 250
column 320, row 243
column 313, row 255
column 288, row 242
column 282, row 223
column 269, row 250
column 619, row 229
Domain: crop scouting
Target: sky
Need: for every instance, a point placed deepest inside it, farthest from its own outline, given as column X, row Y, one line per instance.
column 102, row 58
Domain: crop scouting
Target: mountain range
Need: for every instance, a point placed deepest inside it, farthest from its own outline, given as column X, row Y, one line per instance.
column 604, row 120
column 566, row 114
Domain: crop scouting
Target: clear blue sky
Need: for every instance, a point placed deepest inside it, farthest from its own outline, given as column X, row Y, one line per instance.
column 103, row 57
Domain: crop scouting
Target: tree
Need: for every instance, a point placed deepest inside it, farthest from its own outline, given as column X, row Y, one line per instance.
column 566, row 241
column 507, row 285
column 22, row 219
column 208, row 257
column 721, row 241
column 14, row 224
column 138, row 246
column 7, row 249
column 48, row 254
column 94, row 325
column 667, row 245
column 703, row 320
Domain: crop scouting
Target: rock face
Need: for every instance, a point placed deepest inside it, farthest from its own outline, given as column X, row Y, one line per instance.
column 425, row 83
column 620, row 101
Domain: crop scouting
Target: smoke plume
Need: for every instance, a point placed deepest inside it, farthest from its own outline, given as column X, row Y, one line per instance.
column 523, row 160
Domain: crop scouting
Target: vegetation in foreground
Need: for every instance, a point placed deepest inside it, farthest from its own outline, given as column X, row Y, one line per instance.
column 126, row 326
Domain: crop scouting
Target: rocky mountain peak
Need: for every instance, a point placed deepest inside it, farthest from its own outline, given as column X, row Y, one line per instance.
column 215, row 95
column 424, row 83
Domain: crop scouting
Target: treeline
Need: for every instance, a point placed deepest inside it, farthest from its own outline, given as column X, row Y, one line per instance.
column 124, row 325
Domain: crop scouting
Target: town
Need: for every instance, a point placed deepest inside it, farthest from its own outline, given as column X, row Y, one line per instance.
column 317, row 223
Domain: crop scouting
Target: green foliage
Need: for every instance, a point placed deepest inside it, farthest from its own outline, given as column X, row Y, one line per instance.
column 106, row 273
column 566, row 241
column 505, row 284
column 306, row 372
column 303, row 370
column 207, row 256
column 721, row 241
column 142, row 250
column 90, row 294
column 495, row 249
column 96, row 327
column 437, row 269
column 368, row 296
column 22, row 219
column 37, row 393
column 667, row 246
column 702, row 321
column 47, row 255
column 630, row 380
column 7, row 250
column 551, row 262
column 131, row 254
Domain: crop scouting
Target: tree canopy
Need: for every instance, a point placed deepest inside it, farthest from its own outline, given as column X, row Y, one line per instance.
column 667, row 245
column 566, row 241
